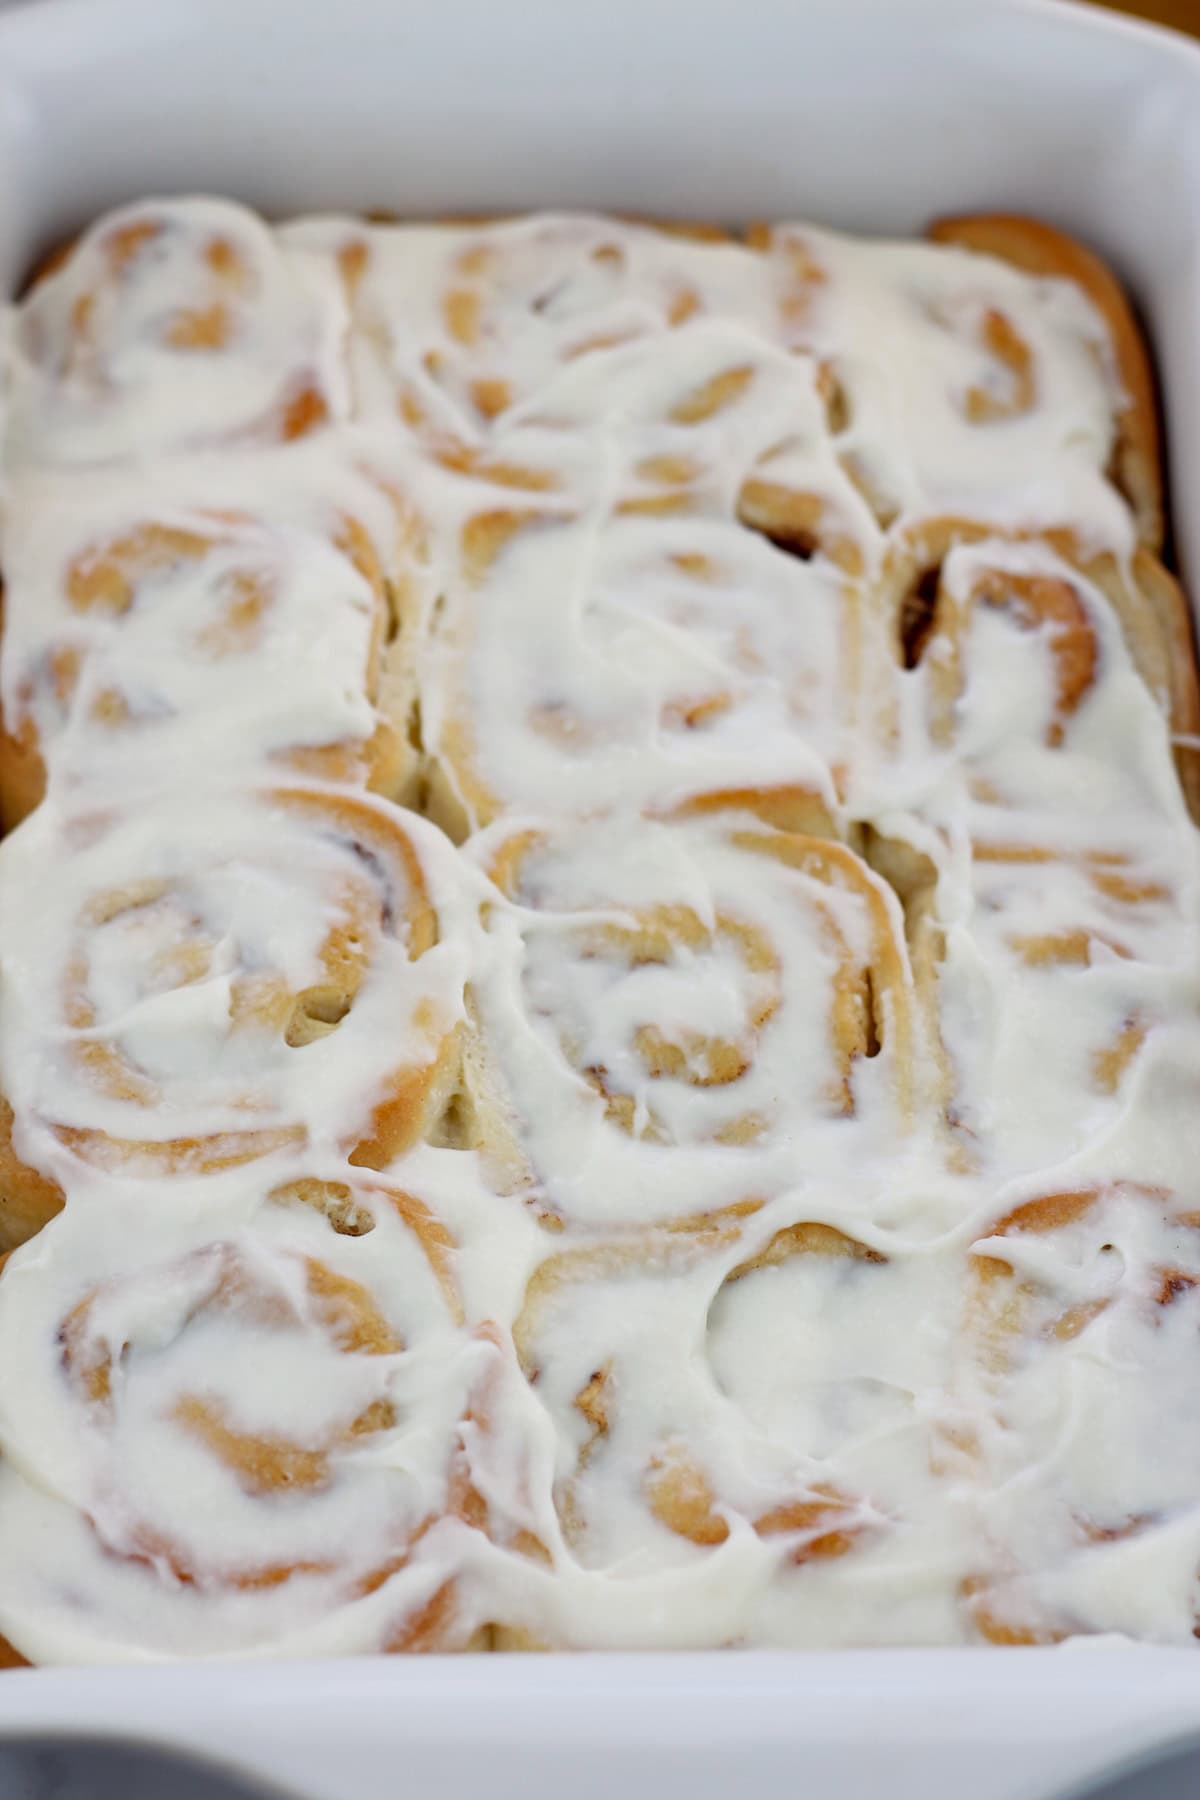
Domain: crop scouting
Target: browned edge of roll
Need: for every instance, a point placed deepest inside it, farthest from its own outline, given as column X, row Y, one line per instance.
column 1041, row 249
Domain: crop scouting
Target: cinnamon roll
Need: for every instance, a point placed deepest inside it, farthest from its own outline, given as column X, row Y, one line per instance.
column 197, row 991
column 1038, row 249
column 959, row 384
column 247, row 1422
column 203, row 638
column 171, row 326
column 661, row 1007
column 458, row 326
column 740, row 1418
column 693, row 577
column 1052, row 896
column 994, row 627
column 1080, row 1305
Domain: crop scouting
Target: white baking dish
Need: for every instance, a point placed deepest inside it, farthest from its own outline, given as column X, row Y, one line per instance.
column 873, row 114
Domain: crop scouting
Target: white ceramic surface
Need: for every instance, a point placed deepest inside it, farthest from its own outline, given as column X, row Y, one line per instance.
column 871, row 114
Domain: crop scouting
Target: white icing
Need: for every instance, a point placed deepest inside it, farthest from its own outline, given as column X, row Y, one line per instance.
column 718, row 1335
column 732, row 959
column 151, row 996
column 98, row 372
column 215, row 1299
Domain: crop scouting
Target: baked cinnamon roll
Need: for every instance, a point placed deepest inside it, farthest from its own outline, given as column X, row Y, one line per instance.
column 200, row 641
column 174, row 326
column 270, row 971
column 1079, row 1304
column 249, row 1421
column 661, row 1008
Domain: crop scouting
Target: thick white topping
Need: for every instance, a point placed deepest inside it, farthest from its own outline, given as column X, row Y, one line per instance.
column 117, row 359
column 824, row 1265
column 664, row 1008
column 254, row 1420
column 162, row 600
column 180, row 999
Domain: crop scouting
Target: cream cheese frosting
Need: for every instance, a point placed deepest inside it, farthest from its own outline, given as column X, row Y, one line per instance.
column 725, row 1174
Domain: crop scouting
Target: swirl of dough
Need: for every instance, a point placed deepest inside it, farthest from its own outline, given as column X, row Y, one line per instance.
column 954, row 382
column 692, row 570
column 1051, row 895
column 674, row 999
column 461, row 325
column 172, row 325
column 1080, row 1305
column 1075, row 958
column 1019, row 645
column 744, row 1393
column 199, row 637
column 245, row 1423
column 203, row 987
column 698, row 652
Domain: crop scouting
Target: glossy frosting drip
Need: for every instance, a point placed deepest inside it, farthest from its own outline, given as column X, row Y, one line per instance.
column 731, row 1183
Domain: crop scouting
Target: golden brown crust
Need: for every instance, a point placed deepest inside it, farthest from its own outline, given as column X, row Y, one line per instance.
column 48, row 264
column 22, row 773
column 22, row 766
column 27, row 1199
column 1173, row 616
column 1041, row 249
column 699, row 231
column 518, row 1638
column 790, row 808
